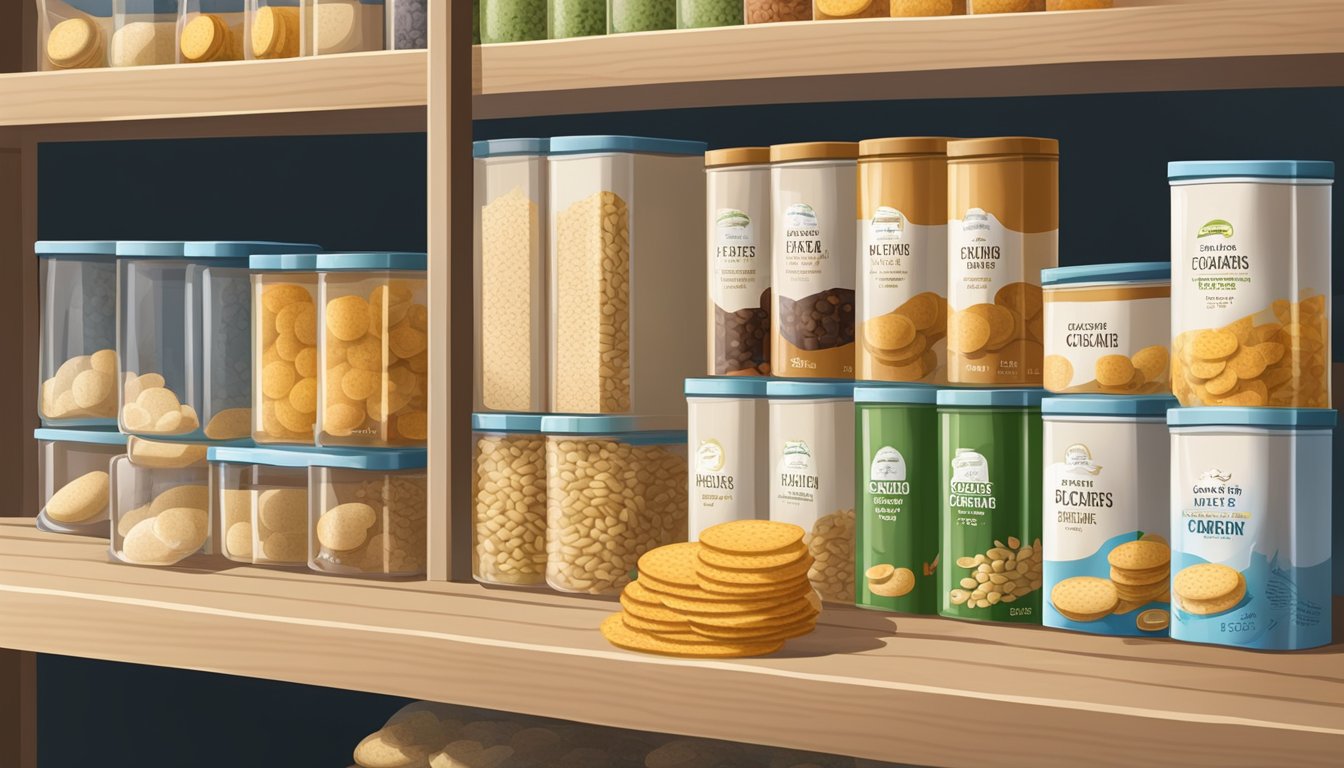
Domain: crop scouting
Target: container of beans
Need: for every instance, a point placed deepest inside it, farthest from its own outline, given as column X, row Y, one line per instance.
column 738, row 219
column 210, row 30
column 509, row 498
column 72, row 479
column 73, row 35
column 259, row 496
column 512, row 21
column 640, row 15
column 850, row 9
column 284, row 347
column 367, row 510
column 144, row 32
column 407, row 24
column 622, row 209
column 727, row 434
column 615, row 489
column 373, row 350
column 160, row 504
column 510, row 274
column 345, row 26
column 273, row 29
column 77, row 361
column 767, row 11
column 901, row 8
column 575, row 18
column 185, row 337
column 694, row 14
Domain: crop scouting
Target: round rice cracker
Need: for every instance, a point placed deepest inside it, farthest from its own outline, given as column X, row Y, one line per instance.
column 967, row 332
column 639, row 593
column 635, row 622
column 900, row 584
column 1114, row 370
column 717, row 590
column 1140, row 555
column 1084, row 598
column 769, row 634
column 755, row 621
column 618, row 634
column 1140, row 578
column 774, row 577
column 671, row 564
column 657, row 614
column 922, row 310
column 889, row 332
column 751, row 537
column 1057, row 373
column 762, row 562
column 688, row 609
column 1216, row 605
column 1153, row 361
column 1208, row 581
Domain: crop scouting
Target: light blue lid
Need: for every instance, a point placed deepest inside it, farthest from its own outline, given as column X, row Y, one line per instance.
column 992, row 398
column 93, row 436
column 1258, row 169
column 577, row 145
column 631, row 429
column 505, row 147
column 1137, row 271
column 1109, row 405
column 814, row 388
column 297, row 262
column 1270, row 418
column 506, row 422
column 75, row 248
column 727, row 386
column 896, row 394
column 241, row 249
column 152, row 249
column 382, row 459
column 336, row 262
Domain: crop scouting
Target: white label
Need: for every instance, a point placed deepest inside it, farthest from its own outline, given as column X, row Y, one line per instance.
column 898, row 260
column 1085, row 331
column 723, row 435
column 813, row 243
column 741, row 271
column 812, row 460
column 984, row 257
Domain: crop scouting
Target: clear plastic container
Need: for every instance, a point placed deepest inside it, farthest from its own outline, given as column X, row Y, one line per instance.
column 367, row 512
column 575, row 18
column 184, row 335
column 903, row 8
column 850, row 9
column 284, row 347
column 640, row 15
column 1004, row 6
column 512, row 21
column 407, row 25
column 695, row 14
column 769, row 11
column 77, row 365
column 161, row 506
column 619, row 278
column 73, row 35
column 373, row 351
column 276, row 29
column 617, row 490
column 510, row 274
column 345, row 26
column 144, row 32
column 72, row 466
column 210, row 30
column 260, row 498
column 508, row 489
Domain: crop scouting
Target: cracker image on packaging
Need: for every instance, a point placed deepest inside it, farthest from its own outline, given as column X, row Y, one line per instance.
column 1206, row 589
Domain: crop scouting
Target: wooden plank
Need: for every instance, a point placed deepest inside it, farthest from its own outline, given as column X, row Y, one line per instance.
column 865, row 683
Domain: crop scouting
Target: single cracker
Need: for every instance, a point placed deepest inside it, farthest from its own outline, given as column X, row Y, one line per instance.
column 1114, row 370
column 880, row 572
column 771, row 577
column 80, row 499
column 1084, row 598
column 621, row 636
column 1141, row 555
column 1223, row 383
column 901, row 583
column 1057, row 373
column 1207, row 581
column 779, row 559
column 890, row 332
column 1214, row 345
column 671, row 564
column 751, row 537
column 1216, row 605
column 967, row 332
column 1153, row 361
column 923, row 310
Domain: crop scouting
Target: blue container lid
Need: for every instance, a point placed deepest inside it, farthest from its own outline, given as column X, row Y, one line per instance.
column 381, row 459
column 727, row 386
column 896, row 394
column 92, row 436
column 506, row 422
column 75, row 248
column 1135, row 272
column 1269, row 418
column 632, row 429
column 506, row 147
column 294, row 262
column 811, row 388
column 1257, row 169
column 1109, row 405
column 337, row 262
column 578, row 145
column 152, row 249
column 241, row 249
column 992, row 398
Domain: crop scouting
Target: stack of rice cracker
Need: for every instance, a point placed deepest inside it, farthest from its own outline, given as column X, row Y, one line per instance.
column 742, row 590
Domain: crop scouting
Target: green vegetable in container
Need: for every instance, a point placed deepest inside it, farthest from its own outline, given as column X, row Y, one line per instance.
column 512, row 21
column 693, row 14
column 641, row 15
column 475, row 22
column 577, row 18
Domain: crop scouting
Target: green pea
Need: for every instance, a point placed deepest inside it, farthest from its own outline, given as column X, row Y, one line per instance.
column 577, row 18
column 641, row 15
column 692, row 14
column 512, row 21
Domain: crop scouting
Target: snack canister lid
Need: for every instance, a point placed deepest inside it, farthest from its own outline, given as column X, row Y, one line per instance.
column 336, row 262
column 306, row 262
column 75, row 248
column 91, row 436
column 814, row 150
column 1138, row 271
column 1149, row 406
column 153, row 249
column 506, row 422
column 507, row 147
column 1269, row 418
column 896, row 394
column 1189, row 170
column 1002, row 145
column 992, row 398
column 721, row 158
column 382, row 459
column 903, row 145
column 727, row 386
column 646, row 430
column 579, row 145
column 814, row 388
column 241, row 249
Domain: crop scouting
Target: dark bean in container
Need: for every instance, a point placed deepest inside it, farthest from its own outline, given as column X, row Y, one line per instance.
column 821, row 321
column 742, row 340
column 410, row 27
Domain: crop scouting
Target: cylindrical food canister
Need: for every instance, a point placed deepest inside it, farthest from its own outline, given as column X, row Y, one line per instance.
column 811, row 462
column 770, row 11
column 509, row 499
column 1250, row 526
column 1107, row 328
column 1106, row 480
column 814, row 198
column 738, row 210
column 850, row 9
column 902, row 234
column 727, row 429
column 896, row 463
column 1003, row 229
column 989, row 541
column 1250, row 272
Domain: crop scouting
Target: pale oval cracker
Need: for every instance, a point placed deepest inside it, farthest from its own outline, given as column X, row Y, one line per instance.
column 1247, row 363
column 1206, row 581
column 1222, row 383
column 889, row 332
column 1139, row 555
column 1057, row 373
column 1114, row 370
column 901, row 583
column 748, row 537
column 880, row 572
column 80, row 499
column 182, row 529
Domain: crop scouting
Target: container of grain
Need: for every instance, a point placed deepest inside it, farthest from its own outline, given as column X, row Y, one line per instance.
column 144, row 32
column 640, row 15
column 367, row 512
column 575, row 18
column 160, row 504
column 72, row 479
column 768, row 11
column 77, row 358
column 622, row 211
column 513, row 21
column 903, row 8
column 73, row 35
column 284, row 347
column 210, row 30
column 345, row 26
column 615, row 489
column 1004, row 6
column 814, row 204
column 850, row 9
column 259, row 496
column 811, row 464
column 510, row 274
column 1003, row 229
column 373, row 350
column 1250, row 276
column 902, row 301
column 728, row 425
column 738, row 222
column 694, row 14
column 508, row 490
column 274, row 29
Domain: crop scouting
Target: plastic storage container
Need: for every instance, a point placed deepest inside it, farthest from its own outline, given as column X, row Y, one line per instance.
column 1004, row 6
column 902, row 8
column 260, row 498
column 737, row 217
column 374, row 349
column 345, row 26
column 509, row 497
column 407, row 24
column 276, row 29
column 616, row 488
column 368, row 512
column 72, row 476
column 77, row 364
column 284, row 347
column 510, row 274
column 211, row 30
column 160, row 504
column 184, row 337
column 622, row 210
column 850, row 9
column 640, row 15
column 728, row 424
column 512, row 21
column 144, row 32
column 767, row 11
column 695, row 14
column 575, row 18
column 73, row 34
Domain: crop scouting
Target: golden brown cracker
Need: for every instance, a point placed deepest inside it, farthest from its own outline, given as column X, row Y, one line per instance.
column 1213, row 345
column 1084, row 598
column 1207, row 581
column 968, row 332
column 922, row 310
column 1153, row 361
column 618, row 634
column 889, row 332
column 748, row 537
column 1139, row 555
column 1114, row 370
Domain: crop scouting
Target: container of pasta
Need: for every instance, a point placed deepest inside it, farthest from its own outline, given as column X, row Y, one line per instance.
column 1250, row 274
column 508, row 486
column 727, row 439
column 367, row 512
column 72, row 466
column 77, row 361
column 1107, row 328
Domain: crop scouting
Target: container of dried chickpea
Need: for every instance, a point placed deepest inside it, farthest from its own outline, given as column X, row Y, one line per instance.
column 1004, row 6
column 510, row 274
column 73, row 34
column 769, row 11
column 514, row 21
column 727, row 425
column 77, row 361
column 640, row 15
column 144, row 32
column 72, row 479
column 902, row 8
column 1107, row 328
column 210, row 30
column 850, row 9
column 616, row 488
column 284, row 347
column 160, row 503
column 185, row 337
column 696, row 14
column 367, row 512
column 373, row 350
column 274, row 29
column 1250, row 276
column 575, row 18
column 622, row 209
column 259, row 496
column 509, row 496
column 345, row 26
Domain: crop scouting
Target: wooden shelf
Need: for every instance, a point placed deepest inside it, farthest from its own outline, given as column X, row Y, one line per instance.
column 914, row 690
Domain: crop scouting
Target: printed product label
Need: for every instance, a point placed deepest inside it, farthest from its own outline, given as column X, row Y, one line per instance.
column 739, row 271
column 1115, row 345
column 722, row 439
column 903, row 271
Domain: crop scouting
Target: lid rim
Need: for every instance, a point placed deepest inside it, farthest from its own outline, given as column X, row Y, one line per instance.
column 615, row 143
column 1109, row 406
column 904, row 146
column 1262, row 418
column 83, row 436
column 811, row 389
column 911, row 393
column 737, row 157
column 814, row 151
column 43, row 248
column 1132, row 271
column 1305, row 170
column 1021, row 397
column 515, row 147
column 297, row 457
column 1031, row 146
column 365, row 261
column 726, row 386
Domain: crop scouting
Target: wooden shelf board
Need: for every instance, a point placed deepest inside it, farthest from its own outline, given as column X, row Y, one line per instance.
column 915, row 690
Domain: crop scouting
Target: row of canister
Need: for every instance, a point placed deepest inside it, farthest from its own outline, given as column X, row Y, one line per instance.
column 80, row 34
column 222, row 341
column 1113, row 515
column 340, row 511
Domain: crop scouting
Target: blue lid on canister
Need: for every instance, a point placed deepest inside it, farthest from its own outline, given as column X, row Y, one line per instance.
column 507, row 147
column 811, row 388
column 152, row 249
column 992, row 398
column 90, row 436
column 241, row 249
column 579, row 145
column 75, row 248
column 380, row 459
column 506, row 422
column 1269, row 418
column 1122, row 406
column 286, row 262
column 636, row 430
column 1132, row 272
column 896, row 394
column 336, row 262
column 1189, row 170
column 727, row 386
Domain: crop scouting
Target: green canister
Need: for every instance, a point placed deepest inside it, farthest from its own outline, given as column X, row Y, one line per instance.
column 990, row 533
column 896, row 466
